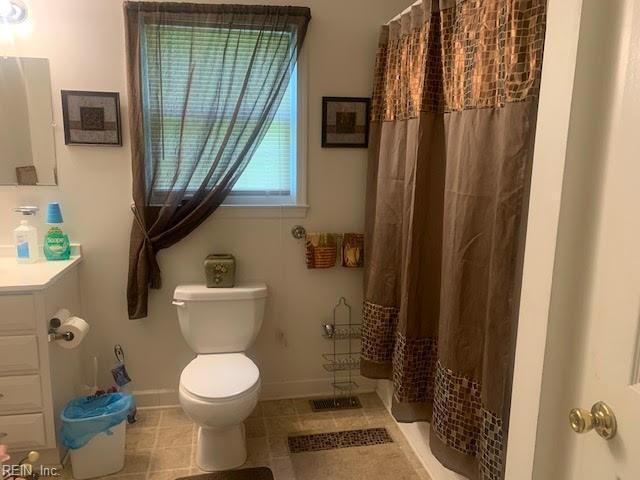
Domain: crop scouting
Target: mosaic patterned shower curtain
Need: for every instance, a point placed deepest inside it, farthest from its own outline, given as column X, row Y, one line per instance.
column 453, row 123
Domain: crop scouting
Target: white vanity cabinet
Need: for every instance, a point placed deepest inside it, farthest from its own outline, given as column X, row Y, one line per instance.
column 37, row 378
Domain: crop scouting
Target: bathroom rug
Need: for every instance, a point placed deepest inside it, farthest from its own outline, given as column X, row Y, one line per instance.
column 333, row 440
column 259, row 473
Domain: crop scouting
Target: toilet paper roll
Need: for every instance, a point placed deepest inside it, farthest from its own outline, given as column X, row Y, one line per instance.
column 78, row 327
column 63, row 315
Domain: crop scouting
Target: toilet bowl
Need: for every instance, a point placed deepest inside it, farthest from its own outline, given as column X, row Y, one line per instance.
column 219, row 389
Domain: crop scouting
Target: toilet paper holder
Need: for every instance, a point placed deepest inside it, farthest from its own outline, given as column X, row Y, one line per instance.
column 54, row 334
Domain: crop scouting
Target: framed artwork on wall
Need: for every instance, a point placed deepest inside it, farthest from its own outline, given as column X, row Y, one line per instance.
column 91, row 118
column 27, row 175
column 345, row 122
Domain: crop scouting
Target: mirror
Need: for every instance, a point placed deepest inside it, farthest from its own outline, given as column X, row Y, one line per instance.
column 27, row 149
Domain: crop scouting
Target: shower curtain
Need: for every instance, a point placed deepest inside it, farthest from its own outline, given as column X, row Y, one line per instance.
column 453, row 123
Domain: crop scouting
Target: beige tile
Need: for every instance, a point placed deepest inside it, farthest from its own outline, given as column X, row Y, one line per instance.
column 317, row 422
column 257, row 451
column 193, row 463
column 169, row 474
column 161, row 445
column 350, row 419
column 140, row 439
column 379, row 418
column 371, row 401
column 357, row 463
column 282, row 425
column 170, row 458
column 64, row 474
column 415, row 462
column 172, row 417
column 282, row 469
column 178, row 436
column 255, row 427
column 423, row 475
column 398, row 437
column 130, row 476
column 278, row 408
column 278, row 446
column 144, row 419
column 257, row 412
column 136, row 462
column 302, row 406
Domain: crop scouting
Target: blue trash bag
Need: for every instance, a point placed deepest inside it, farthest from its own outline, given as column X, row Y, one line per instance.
column 84, row 418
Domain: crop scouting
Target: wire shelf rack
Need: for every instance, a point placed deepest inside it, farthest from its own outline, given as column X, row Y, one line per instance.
column 344, row 360
column 342, row 331
column 341, row 361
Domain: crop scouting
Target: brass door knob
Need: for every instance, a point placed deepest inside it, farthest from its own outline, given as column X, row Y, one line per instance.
column 600, row 418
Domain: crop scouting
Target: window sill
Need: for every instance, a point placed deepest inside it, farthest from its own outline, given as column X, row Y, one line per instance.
column 261, row 211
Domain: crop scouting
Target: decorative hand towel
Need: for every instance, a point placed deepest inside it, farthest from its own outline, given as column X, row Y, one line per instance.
column 321, row 250
column 353, row 250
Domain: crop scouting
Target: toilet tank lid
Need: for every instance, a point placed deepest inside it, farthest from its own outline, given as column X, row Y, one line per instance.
column 200, row 292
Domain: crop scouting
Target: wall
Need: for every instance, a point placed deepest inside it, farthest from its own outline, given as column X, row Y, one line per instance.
column 84, row 41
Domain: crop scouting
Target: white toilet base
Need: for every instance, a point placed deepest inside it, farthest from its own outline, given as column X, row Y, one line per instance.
column 221, row 448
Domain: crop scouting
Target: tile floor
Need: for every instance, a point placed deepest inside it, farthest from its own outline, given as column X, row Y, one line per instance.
column 160, row 446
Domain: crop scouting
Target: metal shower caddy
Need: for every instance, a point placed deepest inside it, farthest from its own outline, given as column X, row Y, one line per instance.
column 344, row 358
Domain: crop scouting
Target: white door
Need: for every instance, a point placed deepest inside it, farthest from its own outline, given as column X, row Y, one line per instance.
column 611, row 365
column 579, row 326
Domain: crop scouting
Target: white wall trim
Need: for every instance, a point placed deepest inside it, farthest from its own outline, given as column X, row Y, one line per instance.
column 317, row 387
column 156, row 398
column 270, row 391
column 561, row 45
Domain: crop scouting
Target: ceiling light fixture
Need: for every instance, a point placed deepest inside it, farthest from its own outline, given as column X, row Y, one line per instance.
column 12, row 12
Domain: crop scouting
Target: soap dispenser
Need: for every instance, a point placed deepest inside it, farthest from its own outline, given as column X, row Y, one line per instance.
column 26, row 237
column 56, row 242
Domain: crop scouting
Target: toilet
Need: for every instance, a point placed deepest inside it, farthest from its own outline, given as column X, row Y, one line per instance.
column 219, row 388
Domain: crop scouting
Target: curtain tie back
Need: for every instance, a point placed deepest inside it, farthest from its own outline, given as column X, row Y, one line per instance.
column 138, row 218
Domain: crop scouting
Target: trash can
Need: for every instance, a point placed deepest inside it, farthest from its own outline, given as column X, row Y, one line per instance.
column 93, row 428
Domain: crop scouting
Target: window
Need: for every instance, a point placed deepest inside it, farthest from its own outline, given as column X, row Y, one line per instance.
column 272, row 176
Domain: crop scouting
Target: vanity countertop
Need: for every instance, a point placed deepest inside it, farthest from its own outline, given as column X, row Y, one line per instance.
column 28, row 277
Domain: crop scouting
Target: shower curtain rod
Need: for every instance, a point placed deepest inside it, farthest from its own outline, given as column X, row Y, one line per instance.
column 406, row 10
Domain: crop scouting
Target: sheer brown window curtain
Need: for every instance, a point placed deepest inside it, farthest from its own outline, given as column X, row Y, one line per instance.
column 204, row 82
column 453, row 123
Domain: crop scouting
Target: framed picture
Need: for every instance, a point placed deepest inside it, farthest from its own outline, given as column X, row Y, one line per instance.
column 91, row 118
column 345, row 122
column 27, row 175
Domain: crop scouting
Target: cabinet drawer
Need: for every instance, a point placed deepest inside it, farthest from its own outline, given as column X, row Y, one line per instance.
column 18, row 354
column 22, row 431
column 17, row 313
column 20, row 394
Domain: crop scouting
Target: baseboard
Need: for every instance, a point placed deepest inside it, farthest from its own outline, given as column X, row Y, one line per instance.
column 417, row 434
column 270, row 391
column 165, row 397
column 309, row 388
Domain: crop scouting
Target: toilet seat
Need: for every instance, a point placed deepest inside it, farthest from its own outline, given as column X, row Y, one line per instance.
column 220, row 376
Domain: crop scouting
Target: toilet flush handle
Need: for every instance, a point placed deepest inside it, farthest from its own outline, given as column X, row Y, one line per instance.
column 177, row 303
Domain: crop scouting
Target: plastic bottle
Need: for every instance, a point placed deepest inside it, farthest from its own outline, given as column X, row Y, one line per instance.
column 56, row 242
column 26, row 237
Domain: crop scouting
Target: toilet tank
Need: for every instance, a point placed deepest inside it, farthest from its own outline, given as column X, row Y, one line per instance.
column 220, row 320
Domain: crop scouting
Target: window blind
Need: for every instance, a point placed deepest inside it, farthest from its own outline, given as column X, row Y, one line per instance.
column 271, row 170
